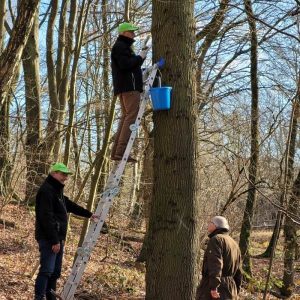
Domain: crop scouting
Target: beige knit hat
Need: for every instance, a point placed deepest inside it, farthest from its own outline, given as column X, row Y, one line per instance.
column 220, row 222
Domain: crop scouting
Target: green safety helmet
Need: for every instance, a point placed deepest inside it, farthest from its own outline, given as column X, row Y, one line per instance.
column 127, row 27
column 60, row 167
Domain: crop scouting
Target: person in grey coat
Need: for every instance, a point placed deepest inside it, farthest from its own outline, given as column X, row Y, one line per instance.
column 221, row 270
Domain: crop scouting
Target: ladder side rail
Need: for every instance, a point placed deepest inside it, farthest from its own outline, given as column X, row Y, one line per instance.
column 91, row 230
column 85, row 255
column 80, row 255
column 88, row 236
column 80, row 262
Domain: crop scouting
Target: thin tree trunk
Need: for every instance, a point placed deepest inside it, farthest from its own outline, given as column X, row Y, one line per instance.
column 173, row 227
column 127, row 10
column 64, row 84
column 254, row 156
column 134, row 188
column 61, row 42
column 30, row 61
column 141, row 208
column 45, row 145
column 2, row 20
column 79, row 37
column 5, row 164
column 209, row 34
column 145, row 196
column 77, row 152
column 51, row 130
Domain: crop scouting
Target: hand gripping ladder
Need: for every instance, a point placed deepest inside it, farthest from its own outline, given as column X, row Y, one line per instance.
column 111, row 190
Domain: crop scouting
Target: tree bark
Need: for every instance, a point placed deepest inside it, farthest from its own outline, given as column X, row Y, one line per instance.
column 72, row 96
column 52, row 128
column 254, row 156
column 64, row 83
column 173, row 227
column 290, row 228
column 127, row 10
column 290, row 242
column 2, row 19
column 30, row 61
column 5, row 164
column 11, row 56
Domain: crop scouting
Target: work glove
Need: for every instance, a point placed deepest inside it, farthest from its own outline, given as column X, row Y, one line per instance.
column 144, row 52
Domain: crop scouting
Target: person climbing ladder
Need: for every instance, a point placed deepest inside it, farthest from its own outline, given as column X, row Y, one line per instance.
column 127, row 84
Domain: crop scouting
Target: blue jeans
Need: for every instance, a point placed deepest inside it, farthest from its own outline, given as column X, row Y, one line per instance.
column 50, row 270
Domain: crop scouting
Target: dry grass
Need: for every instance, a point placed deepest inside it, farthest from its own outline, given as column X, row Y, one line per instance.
column 112, row 272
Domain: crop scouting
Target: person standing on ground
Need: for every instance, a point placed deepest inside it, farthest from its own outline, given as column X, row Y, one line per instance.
column 127, row 84
column 221, row 270
column 51, row 225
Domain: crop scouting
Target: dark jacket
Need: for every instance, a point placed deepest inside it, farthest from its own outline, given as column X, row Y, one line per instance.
column 126, row 67
column 51, row 211
column 221, row 267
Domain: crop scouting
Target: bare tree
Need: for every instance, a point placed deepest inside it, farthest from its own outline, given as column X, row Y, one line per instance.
column 31, row 62
column 173, row 235
column 254, row 156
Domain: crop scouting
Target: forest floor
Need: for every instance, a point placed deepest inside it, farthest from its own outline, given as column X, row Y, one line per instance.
column 112, row 272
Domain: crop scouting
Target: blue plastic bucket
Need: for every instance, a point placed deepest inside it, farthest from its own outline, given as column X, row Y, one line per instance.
column 161, row 97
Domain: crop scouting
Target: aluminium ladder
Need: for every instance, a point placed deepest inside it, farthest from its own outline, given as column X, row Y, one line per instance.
column 111, row 190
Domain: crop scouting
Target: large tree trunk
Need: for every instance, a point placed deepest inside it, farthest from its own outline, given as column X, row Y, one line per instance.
column 173, row 236
column 290, row 228
column 290, row 241
column 251, row 198
column 30, row 60
column 10, row 57
column 40, row 167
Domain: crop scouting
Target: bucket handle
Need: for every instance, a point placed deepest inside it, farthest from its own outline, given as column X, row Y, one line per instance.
column 159, row 78
column 159, row 81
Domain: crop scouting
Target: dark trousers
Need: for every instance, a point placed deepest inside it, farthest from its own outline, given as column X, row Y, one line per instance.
column 49, row 272
column 130, row 103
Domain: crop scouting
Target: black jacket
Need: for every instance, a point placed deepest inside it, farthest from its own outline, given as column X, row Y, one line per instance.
column 126, row 67
column 51, row 211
